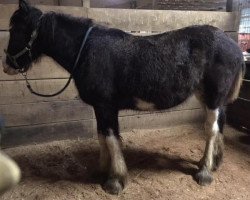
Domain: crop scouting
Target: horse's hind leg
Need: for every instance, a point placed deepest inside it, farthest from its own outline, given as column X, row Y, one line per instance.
column 214, row 145
column 111, row 158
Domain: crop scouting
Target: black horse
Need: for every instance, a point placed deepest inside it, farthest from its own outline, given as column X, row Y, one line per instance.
column 120, row 71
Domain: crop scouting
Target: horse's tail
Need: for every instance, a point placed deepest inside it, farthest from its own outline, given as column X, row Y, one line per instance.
column 235, row 88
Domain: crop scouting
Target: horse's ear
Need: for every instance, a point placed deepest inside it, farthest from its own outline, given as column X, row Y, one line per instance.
column 24, row 5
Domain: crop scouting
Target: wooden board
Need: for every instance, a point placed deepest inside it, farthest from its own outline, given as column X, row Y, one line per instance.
column 207, row 5
column 33, row 2
column 45, row 112
column 150, row 20
column 157, row 20
column 16, row 92
column 192, row 5
column 71, row 3
column 33, row 134
column 47, row 2
column 161, row 120
column 8, row 10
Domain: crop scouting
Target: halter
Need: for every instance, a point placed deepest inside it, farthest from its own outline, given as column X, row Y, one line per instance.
column 13, row 58
column 28, row 49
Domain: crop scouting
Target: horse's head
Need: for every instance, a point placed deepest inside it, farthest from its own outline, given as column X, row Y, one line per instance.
column 21, row 50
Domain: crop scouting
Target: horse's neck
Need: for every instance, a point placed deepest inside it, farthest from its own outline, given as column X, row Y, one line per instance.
column 62, row 44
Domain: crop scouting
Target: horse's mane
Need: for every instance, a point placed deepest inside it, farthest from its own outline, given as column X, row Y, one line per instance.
column 51, row 19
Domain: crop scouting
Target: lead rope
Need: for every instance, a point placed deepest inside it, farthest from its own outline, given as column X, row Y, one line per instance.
column 243, row 99
column 71, row 75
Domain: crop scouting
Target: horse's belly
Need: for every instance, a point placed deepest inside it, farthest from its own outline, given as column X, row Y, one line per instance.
column 160, row 103
column 144, row 105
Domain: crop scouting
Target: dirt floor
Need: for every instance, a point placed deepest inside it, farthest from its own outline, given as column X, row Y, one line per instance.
column 161, row 166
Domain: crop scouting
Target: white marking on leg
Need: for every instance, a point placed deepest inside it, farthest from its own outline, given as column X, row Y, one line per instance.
column 104, row 154
column 143, row 105
column 212, row 129
column 118, row 165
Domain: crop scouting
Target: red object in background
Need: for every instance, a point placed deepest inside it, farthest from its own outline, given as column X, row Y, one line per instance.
column 244, row 41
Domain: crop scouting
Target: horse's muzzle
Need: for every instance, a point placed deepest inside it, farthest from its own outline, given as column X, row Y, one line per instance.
column 7, row 69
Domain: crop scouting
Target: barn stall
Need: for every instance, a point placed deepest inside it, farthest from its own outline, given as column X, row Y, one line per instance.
column 53, row 139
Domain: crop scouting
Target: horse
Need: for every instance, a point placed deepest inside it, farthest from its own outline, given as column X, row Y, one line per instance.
column 117, row 70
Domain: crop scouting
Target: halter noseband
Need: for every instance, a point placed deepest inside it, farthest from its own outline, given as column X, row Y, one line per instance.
column 13, row 58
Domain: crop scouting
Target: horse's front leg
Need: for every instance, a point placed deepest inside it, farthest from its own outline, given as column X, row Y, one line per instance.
column 111, row 158
column 214, row 146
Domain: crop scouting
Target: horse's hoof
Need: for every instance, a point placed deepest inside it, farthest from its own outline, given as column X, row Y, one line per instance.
column 204, row 177
column 114, row 186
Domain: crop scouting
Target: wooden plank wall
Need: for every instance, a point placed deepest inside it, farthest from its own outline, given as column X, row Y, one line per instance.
column 34, row 119
column 209, row 5
column 191, row 5
column 47, row 2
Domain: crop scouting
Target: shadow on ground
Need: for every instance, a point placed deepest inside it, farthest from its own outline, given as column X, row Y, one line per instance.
column 82, row 166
